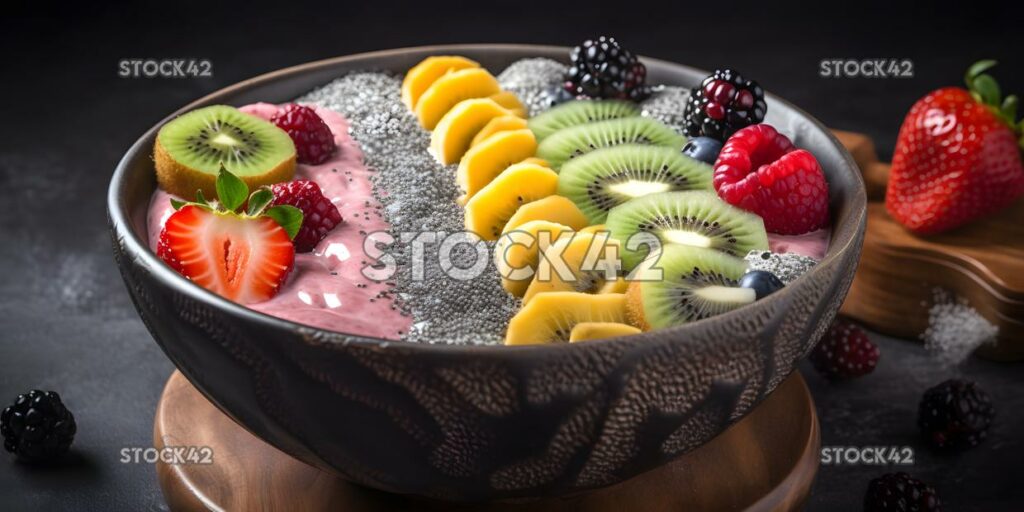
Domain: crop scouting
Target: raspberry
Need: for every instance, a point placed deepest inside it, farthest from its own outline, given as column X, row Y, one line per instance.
column 603, row 69
column 900, row 492
column 724, row 103
column 37, row 427
column 845, row 352
column 761, row 171
column 314, row 142
column 320, row 215
column 955, row 414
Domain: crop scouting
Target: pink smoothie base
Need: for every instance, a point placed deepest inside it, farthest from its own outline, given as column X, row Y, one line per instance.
column 327, row 288
column 813, row 244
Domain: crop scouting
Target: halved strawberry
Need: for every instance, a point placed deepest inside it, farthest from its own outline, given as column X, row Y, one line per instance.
column 244, row 257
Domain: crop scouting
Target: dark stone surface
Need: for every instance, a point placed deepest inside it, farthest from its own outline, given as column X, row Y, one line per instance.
column 67, row 323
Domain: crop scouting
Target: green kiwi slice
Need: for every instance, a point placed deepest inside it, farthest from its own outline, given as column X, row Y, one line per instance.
column 695, row 218
column 605, row 178
column 191, row 149
column 574, row 141
column 694, row 284
column 572, row 113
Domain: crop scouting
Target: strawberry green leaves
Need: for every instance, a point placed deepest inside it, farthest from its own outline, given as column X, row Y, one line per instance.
column 985, row 90
column 233, row 194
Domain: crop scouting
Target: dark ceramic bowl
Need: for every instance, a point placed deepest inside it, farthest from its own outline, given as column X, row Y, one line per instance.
column 473, row 423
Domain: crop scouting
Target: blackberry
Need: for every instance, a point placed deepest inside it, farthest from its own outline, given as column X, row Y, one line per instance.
column 603, row 69
column 724, row 103
column 900, row 492
column 955, row 414
column 37, row 427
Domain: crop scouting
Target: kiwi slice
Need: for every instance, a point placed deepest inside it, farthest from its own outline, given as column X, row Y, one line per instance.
column 694, row 284
column 574, row 141
column 695, row 218
column 605, row 178
column 572, row 113
column 191, row 149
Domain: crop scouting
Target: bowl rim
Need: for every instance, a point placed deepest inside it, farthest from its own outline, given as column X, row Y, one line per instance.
column 140, row 252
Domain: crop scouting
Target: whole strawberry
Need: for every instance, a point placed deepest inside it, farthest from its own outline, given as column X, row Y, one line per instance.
column 845, row 352
column 957, row 157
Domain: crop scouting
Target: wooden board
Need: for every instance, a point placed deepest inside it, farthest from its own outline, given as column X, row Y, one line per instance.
column 765, row 462
column 982, row 262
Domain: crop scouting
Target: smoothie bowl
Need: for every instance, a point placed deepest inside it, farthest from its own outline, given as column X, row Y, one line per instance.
column 365, row 309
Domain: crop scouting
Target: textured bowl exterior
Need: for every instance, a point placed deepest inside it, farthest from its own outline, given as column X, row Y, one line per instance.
column 475, row 423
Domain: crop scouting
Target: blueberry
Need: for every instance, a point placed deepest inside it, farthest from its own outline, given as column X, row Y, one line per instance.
column 558, row 96
column 704, row 149
column 763, row 283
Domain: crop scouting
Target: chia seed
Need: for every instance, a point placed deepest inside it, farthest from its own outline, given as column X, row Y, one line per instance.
column 666, row 104
column 418, row 194
column 787, row 267
column 535, row 81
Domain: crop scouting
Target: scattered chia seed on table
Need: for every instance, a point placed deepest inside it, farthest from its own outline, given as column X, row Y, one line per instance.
column 955, row 329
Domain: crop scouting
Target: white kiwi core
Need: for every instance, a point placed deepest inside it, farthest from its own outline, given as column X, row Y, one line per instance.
column 637, row 188
column 727, row 294
column 678, row 236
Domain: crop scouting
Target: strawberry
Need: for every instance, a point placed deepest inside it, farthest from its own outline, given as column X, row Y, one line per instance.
column 957, row 157
column 244, row 257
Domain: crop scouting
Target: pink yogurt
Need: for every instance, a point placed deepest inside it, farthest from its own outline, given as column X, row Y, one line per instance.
column 327, row 288
column 813, row 244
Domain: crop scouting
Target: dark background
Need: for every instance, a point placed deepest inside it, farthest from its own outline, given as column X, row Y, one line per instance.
column 67, row 324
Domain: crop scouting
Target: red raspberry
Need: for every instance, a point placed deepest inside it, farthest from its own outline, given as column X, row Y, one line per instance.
column 845, row 352
column 320, row 215
column 761, row 171
column 313, row 139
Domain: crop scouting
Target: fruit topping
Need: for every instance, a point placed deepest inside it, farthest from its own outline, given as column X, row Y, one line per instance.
column 484, row 162
column 582, row 262
column 608, row 177
column 957, row 157
column 693, row 218
column 580, row 112
column 553, row 209
column 509, row 101
column 319, row 214
column 685, row 284
column 704, row 149
column 242, row 256
column 424, row 74
column 955, row 414
column 37, row 427
column 452, row 136
column 314, row 142
column 604, row 69
column 899, row 492
column 499, row 124
column 571, row 142
column 517, row 252
column 492, row 207
column 844, row 352
column 587, row 331
column 762, row 282
column 451, row 88
column 191, row 149
column 724, row 103
column 551, row 317
column 761, row 171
